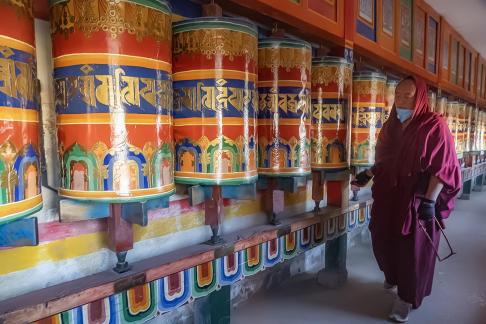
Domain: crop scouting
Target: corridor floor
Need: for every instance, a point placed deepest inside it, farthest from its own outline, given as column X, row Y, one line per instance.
column 459, row 294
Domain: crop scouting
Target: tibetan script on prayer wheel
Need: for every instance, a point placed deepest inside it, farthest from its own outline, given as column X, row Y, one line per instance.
column 284, row 88
column 331, row 92
column 20, row 187
column 215, row 101
column 367, row 119
column 112, row 71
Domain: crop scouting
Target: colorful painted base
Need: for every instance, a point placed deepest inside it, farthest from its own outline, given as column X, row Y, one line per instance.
column 142, row 303
column 367, row 116
column 114, row 99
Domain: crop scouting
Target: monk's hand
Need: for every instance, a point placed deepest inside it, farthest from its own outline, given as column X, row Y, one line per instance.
column 362, row 179
column 426, row 210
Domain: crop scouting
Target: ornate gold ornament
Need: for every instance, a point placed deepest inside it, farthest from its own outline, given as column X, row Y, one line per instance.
column 114, row 17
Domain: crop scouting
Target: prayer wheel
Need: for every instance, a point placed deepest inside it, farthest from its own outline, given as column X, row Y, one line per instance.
column 331, row 92
column 474, row 130
column 20, row 192
column 481, row 133
column 112, row 72
column 215, row 74
column 284, row 72
column 441, row 106
column 432, row 100
column 368, row 105
column 470, row 125
column 461, row 128
column 391, row 86
column 452, row 120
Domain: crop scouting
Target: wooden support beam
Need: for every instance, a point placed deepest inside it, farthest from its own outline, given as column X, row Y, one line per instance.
column 214, row 214
column 317, row 188
column 120, row 232
column 120, row 237
column 335, row 273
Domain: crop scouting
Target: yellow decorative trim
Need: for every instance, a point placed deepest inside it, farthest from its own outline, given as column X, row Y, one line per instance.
column 284, row 83
column 329, row 126
column 232, row 175
column 284, row 121
column 111, row 59
column 360, row 104
column 71, row 247
column 214, row 74
column 284, row 170
column 115, row 195
column 365, row 131
column 19, row 115
column 107, row 118
column 17, row 44
column 9, row 209
column 211, row 121
column 176, row 18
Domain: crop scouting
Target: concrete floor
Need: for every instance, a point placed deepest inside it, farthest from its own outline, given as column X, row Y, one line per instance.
column 459, row 294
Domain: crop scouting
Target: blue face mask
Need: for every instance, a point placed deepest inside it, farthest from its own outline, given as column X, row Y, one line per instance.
column 404, row 114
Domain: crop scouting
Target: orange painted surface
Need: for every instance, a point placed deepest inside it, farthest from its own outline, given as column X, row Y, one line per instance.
column 16, row 25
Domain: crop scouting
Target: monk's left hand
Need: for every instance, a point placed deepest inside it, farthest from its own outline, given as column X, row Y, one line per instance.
column 426, row 210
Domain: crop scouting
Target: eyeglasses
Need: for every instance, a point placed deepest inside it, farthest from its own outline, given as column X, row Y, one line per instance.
column 451, row 253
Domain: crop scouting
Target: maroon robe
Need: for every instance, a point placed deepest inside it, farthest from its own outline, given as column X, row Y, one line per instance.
column 405, row 160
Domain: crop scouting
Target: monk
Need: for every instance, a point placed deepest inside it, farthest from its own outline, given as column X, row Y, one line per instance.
column 416, row 177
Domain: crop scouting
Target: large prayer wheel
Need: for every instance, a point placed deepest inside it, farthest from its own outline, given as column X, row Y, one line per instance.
column 284, row 86
column 215, row 74
column 441, row 106
column 469, row 132
column 368, row 105
column 474, row 130
column 331, row 92
column 391, row 86
column 478, row 137
column 452, row 120
column 20, row 190
column 461, row 129
column 481, row 132
column 432, row 100
column 112, row 71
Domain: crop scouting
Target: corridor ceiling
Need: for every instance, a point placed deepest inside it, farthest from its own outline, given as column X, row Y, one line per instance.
column 468, row 17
